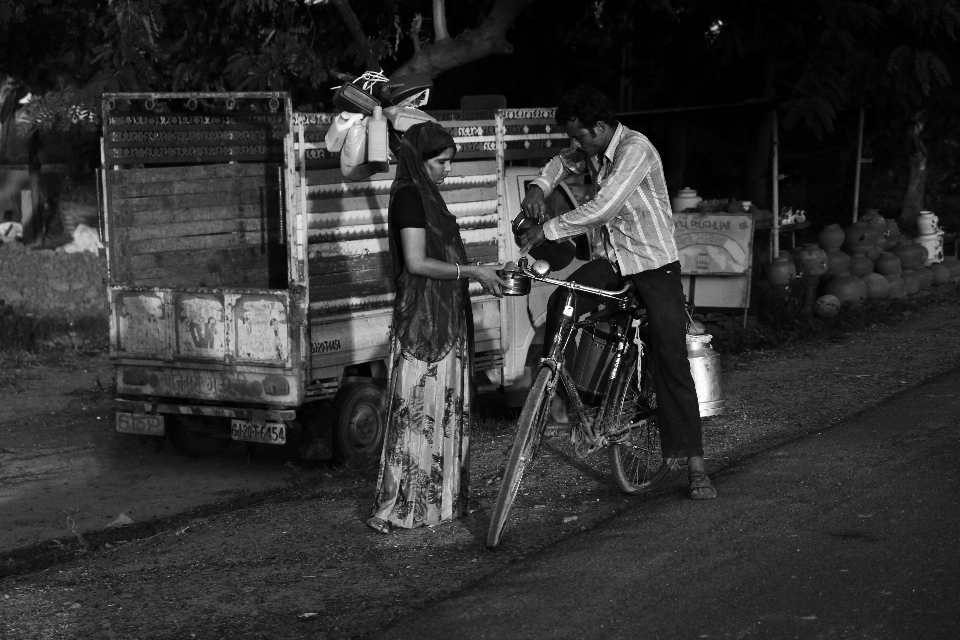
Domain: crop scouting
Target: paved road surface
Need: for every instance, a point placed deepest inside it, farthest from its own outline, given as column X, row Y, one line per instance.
column 850, row 533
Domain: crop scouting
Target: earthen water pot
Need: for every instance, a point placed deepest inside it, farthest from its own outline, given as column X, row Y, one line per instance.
column 952, row 263
column 847, row 288
column 860, row 236
column 898, row 288
column 811, row 260
column 911, row 280
column 878, row 287
column 831, row 237
column 780, row 270
column 837, row 262
column 874, row 219
column 941, row 274
column 887, row 264
column 860, row 264
column 926, row 277
column 910, row 253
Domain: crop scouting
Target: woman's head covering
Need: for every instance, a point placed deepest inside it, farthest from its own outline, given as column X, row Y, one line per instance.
column 428, row 313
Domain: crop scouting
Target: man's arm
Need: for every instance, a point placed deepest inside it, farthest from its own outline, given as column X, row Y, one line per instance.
column 569, row 162
column 631, row 164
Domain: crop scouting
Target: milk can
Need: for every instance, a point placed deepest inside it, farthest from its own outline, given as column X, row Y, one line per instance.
column 705, row 367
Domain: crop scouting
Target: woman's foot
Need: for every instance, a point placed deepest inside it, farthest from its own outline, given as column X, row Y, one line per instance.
column 379, row 525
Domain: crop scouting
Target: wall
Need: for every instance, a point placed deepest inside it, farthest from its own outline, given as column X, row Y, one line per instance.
column 45, row 282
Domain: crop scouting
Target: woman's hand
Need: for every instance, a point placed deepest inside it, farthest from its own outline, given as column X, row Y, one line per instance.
column 486, row 275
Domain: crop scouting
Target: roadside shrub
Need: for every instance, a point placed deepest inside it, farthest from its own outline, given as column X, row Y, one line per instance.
column 23, row 332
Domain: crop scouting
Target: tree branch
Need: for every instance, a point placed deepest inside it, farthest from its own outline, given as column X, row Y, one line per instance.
column 356, row 31
column 489, row 38
column 440, row 21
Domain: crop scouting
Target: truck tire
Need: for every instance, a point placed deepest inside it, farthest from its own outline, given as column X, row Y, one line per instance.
column 194, row 436
column 358, row 413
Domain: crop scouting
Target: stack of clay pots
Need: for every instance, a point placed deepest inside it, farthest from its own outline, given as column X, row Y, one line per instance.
column 870, row 260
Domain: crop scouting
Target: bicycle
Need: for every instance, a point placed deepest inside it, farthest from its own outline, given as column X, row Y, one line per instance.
column 625, row 420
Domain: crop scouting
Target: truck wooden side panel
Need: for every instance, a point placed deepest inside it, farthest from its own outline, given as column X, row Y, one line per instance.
column 351, row 284
column 202, row 301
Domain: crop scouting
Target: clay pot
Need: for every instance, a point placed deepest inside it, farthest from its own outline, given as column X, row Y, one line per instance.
column 887, row 264
column 838, row 262
column 898, row 288
column 831, row 237
column 811, row 260
column 878, row 287
column 910, row 253
column 911, row 280
column 860, row 236
column 952, row 263
column 893, row 231
column 926, row 277
column 780, row 270
column 860, row 264
column 874, row 219
column 941, row 274
column 847, row 288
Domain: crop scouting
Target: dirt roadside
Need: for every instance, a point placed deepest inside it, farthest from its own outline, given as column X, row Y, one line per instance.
column 300, row 564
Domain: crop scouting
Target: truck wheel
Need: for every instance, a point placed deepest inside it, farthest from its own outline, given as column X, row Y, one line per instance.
column 358, row 411
column 194, row 437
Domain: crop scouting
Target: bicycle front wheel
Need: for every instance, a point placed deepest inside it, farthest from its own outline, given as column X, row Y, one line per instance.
column 533, row 418
column 635, row 456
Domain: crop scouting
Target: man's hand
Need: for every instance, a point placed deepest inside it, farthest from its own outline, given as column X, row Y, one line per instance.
column 534, row 205
column 532, row 237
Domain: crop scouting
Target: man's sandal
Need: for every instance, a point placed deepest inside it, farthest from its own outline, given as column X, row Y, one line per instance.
column 379, row 525
column 700, row 487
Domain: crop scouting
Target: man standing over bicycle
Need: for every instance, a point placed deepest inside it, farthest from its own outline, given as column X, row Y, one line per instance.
column 632, row 239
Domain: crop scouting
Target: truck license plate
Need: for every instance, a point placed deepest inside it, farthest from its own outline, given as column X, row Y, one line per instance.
column 140, row 423
column 269, row 433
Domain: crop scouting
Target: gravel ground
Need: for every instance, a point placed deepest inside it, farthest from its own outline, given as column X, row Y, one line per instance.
column 300, row 564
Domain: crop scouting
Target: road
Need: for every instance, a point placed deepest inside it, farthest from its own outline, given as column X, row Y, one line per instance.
column 64, row 470
column 848, row 533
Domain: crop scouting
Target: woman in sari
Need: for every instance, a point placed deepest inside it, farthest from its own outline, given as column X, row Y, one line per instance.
column 424, row 470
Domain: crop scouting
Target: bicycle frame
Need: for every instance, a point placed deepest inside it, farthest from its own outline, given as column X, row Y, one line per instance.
column 595, row 432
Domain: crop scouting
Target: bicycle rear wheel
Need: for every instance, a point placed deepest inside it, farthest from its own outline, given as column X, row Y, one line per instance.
column 530, row 427
column 635, row 456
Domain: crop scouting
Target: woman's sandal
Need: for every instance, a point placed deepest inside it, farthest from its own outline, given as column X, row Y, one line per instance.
column 700, row 487
column 379, row 525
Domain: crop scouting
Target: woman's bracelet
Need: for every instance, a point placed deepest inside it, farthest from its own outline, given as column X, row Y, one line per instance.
column 458, row 269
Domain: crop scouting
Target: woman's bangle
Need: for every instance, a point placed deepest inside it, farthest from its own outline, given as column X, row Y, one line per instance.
column 458, row 269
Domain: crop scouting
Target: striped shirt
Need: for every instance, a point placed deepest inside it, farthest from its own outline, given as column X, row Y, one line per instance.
column 631, row 207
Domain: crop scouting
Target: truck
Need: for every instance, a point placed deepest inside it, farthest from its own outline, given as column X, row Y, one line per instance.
column 249, row 283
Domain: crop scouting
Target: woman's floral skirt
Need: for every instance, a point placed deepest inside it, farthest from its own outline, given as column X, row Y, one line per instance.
column 424, row 470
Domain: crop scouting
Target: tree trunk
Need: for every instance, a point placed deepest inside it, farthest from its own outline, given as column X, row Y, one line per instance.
column 917, row 176
column 489, row 38
column 8, row 101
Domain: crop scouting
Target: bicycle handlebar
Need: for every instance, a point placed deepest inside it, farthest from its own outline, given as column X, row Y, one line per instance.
column 604, row 293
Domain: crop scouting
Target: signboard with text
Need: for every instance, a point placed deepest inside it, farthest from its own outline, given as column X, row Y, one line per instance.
column 714, row 243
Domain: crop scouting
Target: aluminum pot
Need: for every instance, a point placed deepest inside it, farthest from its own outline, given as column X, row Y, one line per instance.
column 517, row 283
